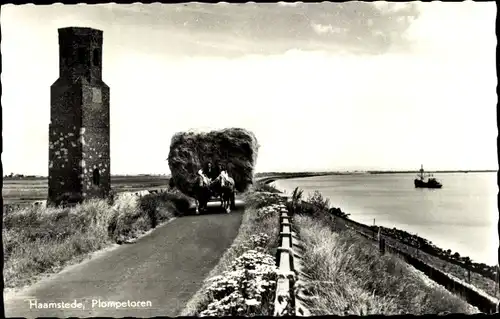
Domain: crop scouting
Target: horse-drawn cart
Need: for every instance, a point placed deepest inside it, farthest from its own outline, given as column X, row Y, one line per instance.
column 235, row 148
column 216, row 190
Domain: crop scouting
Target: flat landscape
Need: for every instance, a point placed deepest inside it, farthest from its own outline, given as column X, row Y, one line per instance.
column 29, row 189
column 19, row 191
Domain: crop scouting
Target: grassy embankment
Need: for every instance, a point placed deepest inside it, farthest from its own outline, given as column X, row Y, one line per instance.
column 480, row 276
column 232, row 287
column 40, row 240
column 350, row 276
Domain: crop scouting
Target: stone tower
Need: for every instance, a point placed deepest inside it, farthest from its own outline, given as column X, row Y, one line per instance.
column 79, row 151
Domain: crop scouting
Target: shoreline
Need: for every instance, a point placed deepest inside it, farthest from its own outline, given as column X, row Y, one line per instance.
column 269, row 180
column 413, row 242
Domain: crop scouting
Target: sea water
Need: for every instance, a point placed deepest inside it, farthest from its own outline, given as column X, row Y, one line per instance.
column 461, row 216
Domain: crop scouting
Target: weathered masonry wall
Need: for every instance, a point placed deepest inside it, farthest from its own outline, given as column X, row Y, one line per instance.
column 95, row 162
column 65, row 101
column 64, row 157
column 79, row 161
column 95, row 101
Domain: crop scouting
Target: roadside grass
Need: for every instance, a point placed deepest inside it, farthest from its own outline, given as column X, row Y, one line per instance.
column 350, row 277
column 39, row 240
column 258, row 234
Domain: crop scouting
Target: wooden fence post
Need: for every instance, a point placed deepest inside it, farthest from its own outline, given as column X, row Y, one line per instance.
column 381, row 245
column 497, row 277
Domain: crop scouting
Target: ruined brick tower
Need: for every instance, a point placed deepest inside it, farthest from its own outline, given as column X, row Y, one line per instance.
column 79, row 153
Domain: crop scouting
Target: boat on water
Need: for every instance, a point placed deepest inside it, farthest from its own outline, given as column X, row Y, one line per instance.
column 421, row 181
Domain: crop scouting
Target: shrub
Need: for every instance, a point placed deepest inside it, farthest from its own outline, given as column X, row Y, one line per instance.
column 257, row 200
column 315, row 205
column 338, row 212
column 247, row 289
column 295, row 204
column 154, row 204
column 318, row 201
column 262, row 187
column 259, row 240
column 272, row 210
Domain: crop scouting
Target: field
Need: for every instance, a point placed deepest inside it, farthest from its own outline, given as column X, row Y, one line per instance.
column 19, row 191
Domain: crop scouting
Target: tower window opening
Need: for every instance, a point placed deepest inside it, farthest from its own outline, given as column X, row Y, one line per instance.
column 96, row 176
column 96, row 57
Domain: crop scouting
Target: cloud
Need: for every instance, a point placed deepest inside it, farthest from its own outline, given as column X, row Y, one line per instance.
column 289, row 4
column 269, row 28
column 320, row 28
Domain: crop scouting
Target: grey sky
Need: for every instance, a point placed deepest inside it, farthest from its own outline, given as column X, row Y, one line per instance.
column 239, row 29
column 354, row 85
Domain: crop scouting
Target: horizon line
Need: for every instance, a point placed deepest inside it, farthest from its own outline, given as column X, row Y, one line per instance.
column 303, row 171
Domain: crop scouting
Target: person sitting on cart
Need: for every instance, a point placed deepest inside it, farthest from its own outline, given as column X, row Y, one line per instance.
column 223, row 174
column 209, row 171
column 204, row 177
column 211, row 174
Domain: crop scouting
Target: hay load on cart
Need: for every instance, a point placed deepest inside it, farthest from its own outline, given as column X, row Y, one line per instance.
column 234, row 148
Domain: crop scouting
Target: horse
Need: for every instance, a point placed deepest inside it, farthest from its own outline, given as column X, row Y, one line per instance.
column 202, row 193
column 226, row 192
column 216, row 190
